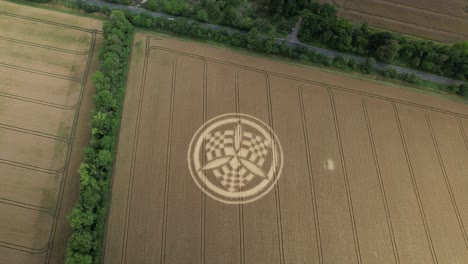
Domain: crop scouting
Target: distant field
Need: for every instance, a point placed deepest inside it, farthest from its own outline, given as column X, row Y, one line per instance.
column 371, row 174
column 445, row 21
column 45, row 103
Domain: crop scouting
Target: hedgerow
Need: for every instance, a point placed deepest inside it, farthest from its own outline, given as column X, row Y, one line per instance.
column 89, row 215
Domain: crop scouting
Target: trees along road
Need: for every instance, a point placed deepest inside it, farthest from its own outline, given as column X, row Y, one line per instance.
column 292, row 41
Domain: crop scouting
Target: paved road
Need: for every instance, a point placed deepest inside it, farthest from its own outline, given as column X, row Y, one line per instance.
column 292, row 41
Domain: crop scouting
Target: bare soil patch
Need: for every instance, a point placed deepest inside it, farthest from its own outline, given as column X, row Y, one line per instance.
column 365, row 170
column 45, row 107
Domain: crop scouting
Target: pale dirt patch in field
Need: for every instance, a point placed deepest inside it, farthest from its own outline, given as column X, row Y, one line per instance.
column 352, row 180
column 44, row 127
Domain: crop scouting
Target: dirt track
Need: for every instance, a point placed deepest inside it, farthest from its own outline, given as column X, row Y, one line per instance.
column 371, row 174
column 445, row 21
column 45, row 102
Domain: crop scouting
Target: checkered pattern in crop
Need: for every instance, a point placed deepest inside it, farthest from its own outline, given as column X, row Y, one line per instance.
column 254, row 148
column 233, row 175
column 219, row 144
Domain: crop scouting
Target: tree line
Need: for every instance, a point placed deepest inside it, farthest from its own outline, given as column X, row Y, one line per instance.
column 88, row 217
column 258, row 41
column 321, row 24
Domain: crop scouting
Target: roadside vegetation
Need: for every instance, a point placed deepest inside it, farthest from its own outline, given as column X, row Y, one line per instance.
column 321, row 24
column 89, row 215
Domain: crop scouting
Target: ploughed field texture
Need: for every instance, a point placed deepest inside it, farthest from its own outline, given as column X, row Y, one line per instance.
column 371, row 174
column 445, row 21
column 45, row 58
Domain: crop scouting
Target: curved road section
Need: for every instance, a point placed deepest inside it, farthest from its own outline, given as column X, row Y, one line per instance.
column 292, row 41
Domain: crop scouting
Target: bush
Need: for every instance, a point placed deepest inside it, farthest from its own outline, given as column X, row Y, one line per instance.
column 202, row 15
column 409, row 77
column 368, row 66
column 463, row 90
column 390, row 73
column 88, row 217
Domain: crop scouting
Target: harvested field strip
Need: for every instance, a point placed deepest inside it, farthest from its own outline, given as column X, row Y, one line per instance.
column 6, row 255
column 449, row 141
column 300, row 224
column 261, row 225
column 24, row 228
column 58, row 35
column 378, row 245
column 35, row 86
column 54, row 122
column 404, row 201
column 32, row 151
column 337, row 226
column 441, row 217
column 29, row 187
column 143, row 174
column 37, row 58
column 179, row 230
column 410, row 15
column 45, row 74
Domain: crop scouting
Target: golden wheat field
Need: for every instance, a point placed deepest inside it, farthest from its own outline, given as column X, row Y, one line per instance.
column 444, row 21
column 45, row 103
column 368, row 173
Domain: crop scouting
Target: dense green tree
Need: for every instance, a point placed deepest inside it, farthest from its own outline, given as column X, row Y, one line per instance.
column 202, row 15
column 368, row 66
column 88, row 217
column 388, row 52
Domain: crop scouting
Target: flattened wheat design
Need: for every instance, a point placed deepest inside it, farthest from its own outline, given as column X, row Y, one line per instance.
column 235, row 157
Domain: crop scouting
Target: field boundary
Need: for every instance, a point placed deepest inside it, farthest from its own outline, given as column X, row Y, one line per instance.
column 69, row 142
column 134, row 149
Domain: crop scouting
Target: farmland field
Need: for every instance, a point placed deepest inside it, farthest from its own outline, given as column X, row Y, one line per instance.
column 45, row 107
column 370, row 174
column 445, row 21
